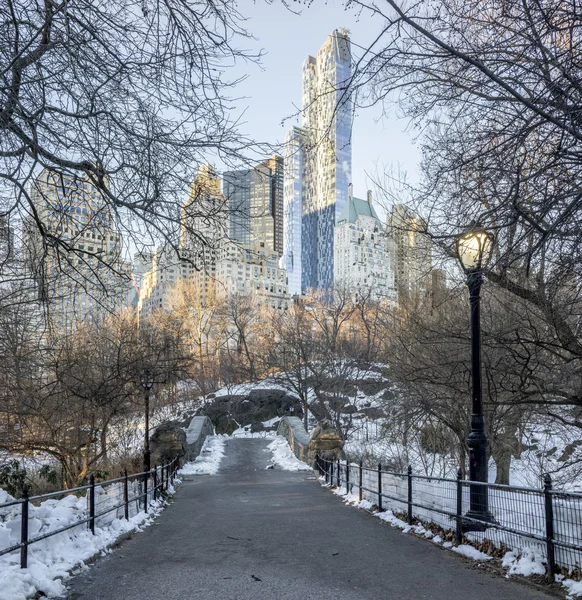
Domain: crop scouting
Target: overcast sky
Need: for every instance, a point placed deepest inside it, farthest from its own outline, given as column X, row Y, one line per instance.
column 274, row 93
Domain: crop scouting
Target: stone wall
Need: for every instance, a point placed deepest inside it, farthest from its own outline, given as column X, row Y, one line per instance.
column 198, row 430
column 325, row 440
column 292, row 429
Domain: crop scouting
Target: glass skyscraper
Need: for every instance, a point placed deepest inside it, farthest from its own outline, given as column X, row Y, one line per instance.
column 292, row 208
column 325, row 160
column 255, row 203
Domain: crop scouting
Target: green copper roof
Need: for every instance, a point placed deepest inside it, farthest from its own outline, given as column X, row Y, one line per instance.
column 354, row 208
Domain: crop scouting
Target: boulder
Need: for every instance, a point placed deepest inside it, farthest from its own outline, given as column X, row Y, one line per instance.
column 166, row 442
column 230, row 412
column 326, row 441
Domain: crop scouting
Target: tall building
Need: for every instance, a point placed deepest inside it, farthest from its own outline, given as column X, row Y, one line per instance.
column 237, row 191
column 252, row 270
column 255, row 203
column 85, row 278
column 361, row 259
column 164, row 271
column 411, row 252
column 268, row 227
column 327, row 162
column 208, row 256
column 292, row 207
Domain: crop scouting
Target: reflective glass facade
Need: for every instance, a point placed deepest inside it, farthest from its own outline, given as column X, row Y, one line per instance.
column 292, row 208
column 327, row 160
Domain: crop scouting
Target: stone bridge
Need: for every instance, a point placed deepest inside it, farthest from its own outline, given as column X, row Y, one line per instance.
column 252, row 533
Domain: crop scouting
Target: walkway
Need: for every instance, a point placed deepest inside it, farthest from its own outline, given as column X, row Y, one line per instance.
column 253, row 534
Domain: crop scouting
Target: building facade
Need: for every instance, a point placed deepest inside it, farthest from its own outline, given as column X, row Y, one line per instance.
column 252, row 271
column 255, row 202
column 411, row 252
column 361, row 259
column 292, row 207
column 327, row 161
column 85, row 278
column 207, row 256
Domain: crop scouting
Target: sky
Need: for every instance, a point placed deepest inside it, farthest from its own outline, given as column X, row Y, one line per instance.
column 273, row 93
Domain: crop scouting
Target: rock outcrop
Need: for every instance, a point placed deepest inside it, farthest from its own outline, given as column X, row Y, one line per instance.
column 168, row 441
column 326, row 441
column 229, row 412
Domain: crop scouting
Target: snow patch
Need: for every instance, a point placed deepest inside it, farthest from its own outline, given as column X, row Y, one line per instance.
column 53, row 560
column 470, row 552
column 283, row 457
column 208, row 461
column 574, row 587
column 528, row 562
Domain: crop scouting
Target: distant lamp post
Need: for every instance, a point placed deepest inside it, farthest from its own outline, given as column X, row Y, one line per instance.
column 146, row 378
column 474, row 248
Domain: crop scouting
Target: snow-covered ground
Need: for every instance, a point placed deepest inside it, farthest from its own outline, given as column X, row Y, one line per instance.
column 525, row 560
column 52, row 560
column 208, row 461
column 283, row 457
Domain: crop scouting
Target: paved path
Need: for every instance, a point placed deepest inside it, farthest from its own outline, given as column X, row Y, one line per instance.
column 253, row 534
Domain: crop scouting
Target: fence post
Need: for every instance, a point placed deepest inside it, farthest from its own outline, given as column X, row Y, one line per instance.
column 549, row 526
column 126, row 494
column 347, row 477
column 24, row 529
column 409, row 495
column 361, row 482
column 459, row 529
column 339, row 473
column 145, row 491
column 92, row 503
column 155, row 482
column 379, row 486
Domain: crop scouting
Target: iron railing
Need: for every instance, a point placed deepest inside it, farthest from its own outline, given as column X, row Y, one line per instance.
column 103, row 501
column 545, row 520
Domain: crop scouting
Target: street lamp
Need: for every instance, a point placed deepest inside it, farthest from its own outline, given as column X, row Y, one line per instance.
column 146, row 378
column 474, row 248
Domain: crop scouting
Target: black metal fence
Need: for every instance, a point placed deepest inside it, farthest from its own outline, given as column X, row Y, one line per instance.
column 545, row 520
column 112, row 499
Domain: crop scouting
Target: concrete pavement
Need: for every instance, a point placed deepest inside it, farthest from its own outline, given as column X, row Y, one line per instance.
column 250, row 533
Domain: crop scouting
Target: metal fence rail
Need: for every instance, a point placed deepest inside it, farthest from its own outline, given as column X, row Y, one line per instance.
column 122, row 497
column 545, row 520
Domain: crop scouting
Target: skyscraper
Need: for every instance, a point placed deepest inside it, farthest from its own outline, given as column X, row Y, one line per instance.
column 328, row 157
column 237, row 191
column 324, row 160
column 84, row 277
column 410, row 250
column 255, row 203
column 292, row 207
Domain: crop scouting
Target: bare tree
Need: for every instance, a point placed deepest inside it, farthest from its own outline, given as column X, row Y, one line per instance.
column 128, row 97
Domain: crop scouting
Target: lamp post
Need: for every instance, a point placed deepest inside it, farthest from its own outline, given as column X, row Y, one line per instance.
column 146, row 378
column 474, row 250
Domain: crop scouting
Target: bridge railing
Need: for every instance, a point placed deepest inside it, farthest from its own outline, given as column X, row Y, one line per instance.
column 545, row 520
column 106, row 501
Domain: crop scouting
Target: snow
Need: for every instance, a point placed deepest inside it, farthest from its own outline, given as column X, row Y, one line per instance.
column 52, row 560
column 470, row 552
column 245, row 432
column 283, row 457
column 574, row 588
column 208, row 461
column 528, row 562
